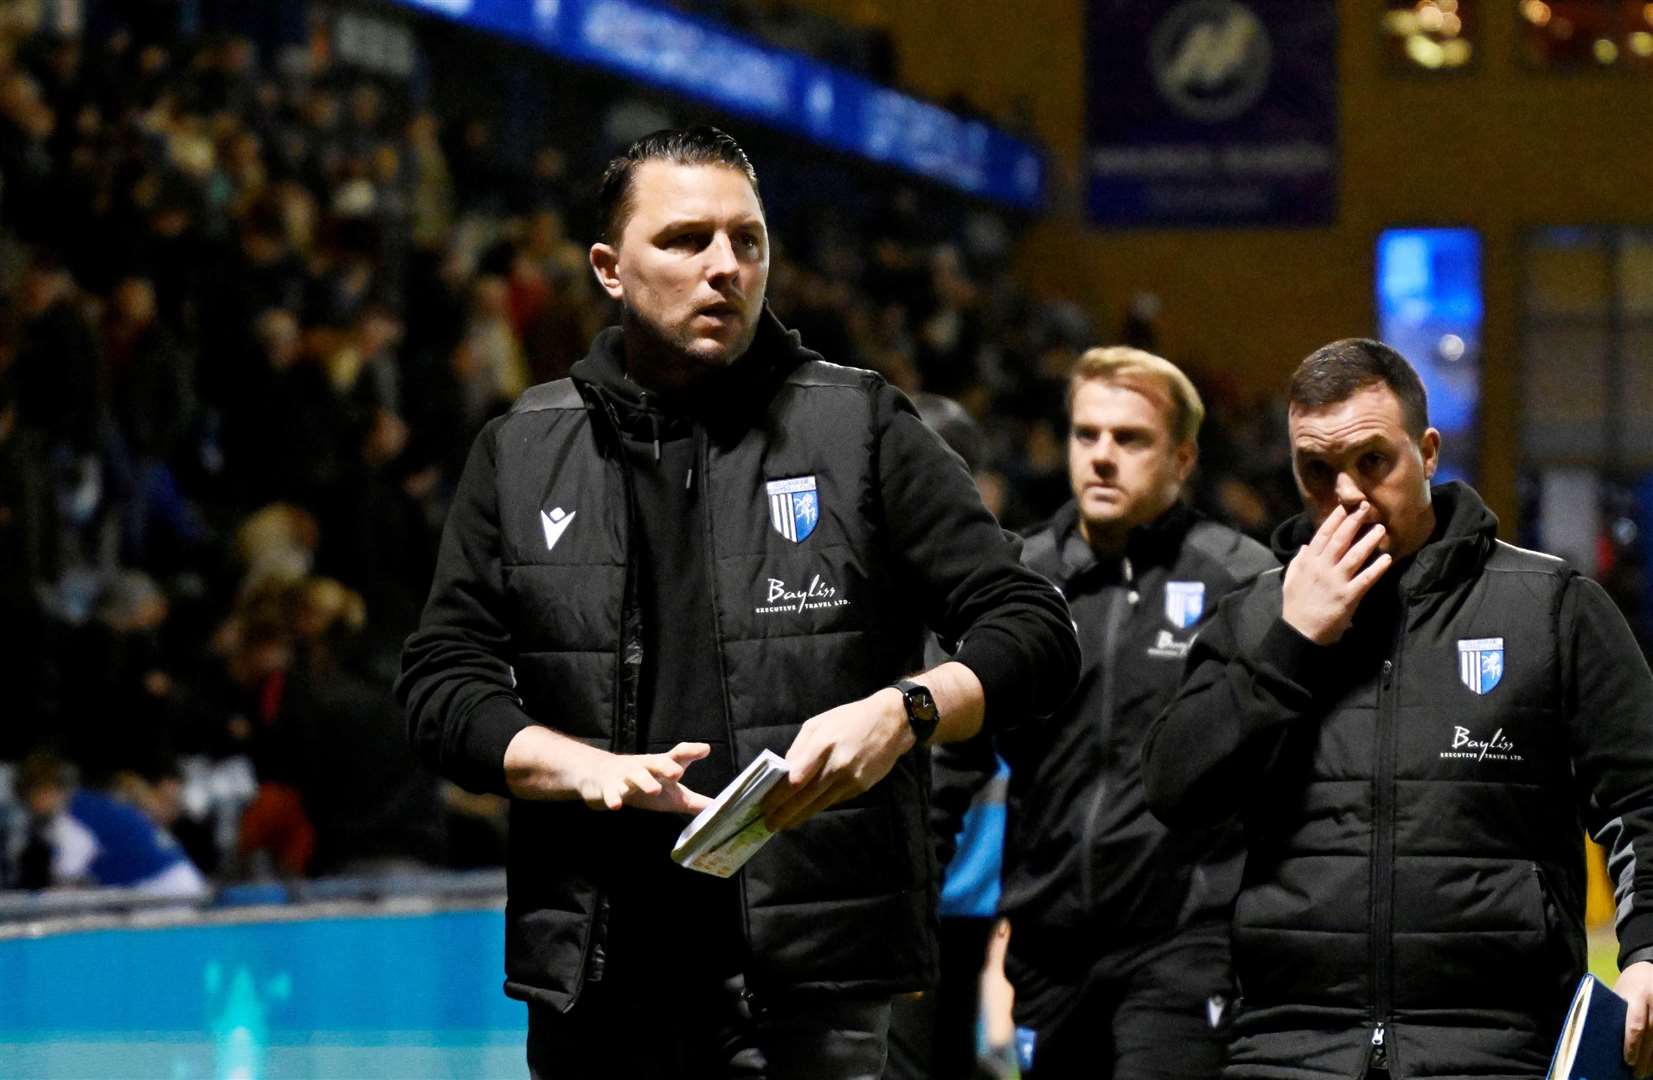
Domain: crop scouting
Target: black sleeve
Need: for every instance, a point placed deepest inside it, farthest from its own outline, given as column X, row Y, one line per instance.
column 456, row 687
column 1220, row 738
column 1610, row 708
column 1011, row 626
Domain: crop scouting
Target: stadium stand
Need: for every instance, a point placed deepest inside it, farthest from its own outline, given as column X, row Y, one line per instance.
column 257, row 305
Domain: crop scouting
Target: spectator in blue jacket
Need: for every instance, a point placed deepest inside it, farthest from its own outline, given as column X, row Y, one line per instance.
column 73, row 836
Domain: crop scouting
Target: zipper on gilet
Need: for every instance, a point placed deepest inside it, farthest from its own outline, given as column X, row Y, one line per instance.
column 1383, row 853
column 624, row 738
column 1113, row 620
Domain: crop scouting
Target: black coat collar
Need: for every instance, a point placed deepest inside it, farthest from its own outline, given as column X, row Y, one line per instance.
column 1153, row 543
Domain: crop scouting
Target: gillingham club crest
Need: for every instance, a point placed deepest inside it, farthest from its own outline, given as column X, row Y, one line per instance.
column 1481, row 663
column 794, row 507
column 1184, row 602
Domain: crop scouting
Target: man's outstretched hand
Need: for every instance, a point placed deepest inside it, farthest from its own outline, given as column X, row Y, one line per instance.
column 542, row 764
column 646, row 781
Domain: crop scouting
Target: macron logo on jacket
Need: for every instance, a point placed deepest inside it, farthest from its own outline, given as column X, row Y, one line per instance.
column 556, row 523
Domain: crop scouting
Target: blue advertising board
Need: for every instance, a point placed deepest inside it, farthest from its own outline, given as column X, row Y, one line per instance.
column 263, row 999
column 1211, row 112
column 783, row 89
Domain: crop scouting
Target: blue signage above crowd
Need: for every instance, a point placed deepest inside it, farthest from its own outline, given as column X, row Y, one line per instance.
column 783, row 89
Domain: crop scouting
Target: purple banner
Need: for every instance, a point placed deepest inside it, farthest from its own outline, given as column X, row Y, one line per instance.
column 1211, row 112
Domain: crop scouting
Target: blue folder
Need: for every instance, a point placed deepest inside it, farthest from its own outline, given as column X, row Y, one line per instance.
column 1591, row 1046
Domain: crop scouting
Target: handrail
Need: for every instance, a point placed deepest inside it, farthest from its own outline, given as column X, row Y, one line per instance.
column 36, row 914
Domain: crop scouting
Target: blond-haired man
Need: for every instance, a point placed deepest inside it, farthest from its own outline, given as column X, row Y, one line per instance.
column 1118, row 946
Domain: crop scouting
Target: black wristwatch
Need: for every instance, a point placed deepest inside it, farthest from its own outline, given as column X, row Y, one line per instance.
column 922, row 714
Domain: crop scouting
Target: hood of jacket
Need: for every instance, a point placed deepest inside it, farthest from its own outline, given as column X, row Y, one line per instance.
column 725, row 400
column 1151, row 543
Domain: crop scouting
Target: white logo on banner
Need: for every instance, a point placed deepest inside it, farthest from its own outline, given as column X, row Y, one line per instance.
column 1211, row 59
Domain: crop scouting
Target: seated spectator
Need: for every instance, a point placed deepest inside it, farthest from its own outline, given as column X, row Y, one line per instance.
column 158, row 793
column 340, row 741
column 28, row 562
column 54, row 370
column 74, row 836
column 147, row 382
column 123, row 704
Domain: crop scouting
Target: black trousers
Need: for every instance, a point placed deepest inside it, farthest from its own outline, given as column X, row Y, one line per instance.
column 1155, row 1013
column 934, row 1037
column 677, row 1027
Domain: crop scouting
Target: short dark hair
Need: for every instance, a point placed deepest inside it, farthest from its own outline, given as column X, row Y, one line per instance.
column 699, row 145
column 1337, row 372
column 43, row 768
column 957, row 428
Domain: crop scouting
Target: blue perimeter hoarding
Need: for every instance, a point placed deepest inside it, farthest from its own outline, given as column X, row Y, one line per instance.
column 785, row 90
column 263, row 998
column 1211, row 112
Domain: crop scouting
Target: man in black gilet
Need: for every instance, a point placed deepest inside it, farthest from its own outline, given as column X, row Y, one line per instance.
column 708, row 542
column 1415, row 724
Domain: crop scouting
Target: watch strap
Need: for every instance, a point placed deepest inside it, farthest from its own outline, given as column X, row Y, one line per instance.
column 911, row 693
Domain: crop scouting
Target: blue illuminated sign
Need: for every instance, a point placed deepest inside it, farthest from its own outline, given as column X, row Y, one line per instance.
column 1430, row 307
column 783, row 89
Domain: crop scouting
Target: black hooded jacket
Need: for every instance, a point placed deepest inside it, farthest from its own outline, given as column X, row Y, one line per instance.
column 819, row 526
column 1088, row 871
column 1414, row 799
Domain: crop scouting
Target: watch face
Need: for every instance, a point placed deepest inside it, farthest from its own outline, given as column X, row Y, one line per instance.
column 921, row 704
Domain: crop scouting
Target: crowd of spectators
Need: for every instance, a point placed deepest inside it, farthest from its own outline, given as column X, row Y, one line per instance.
column 862, row 44
column 253, row 310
